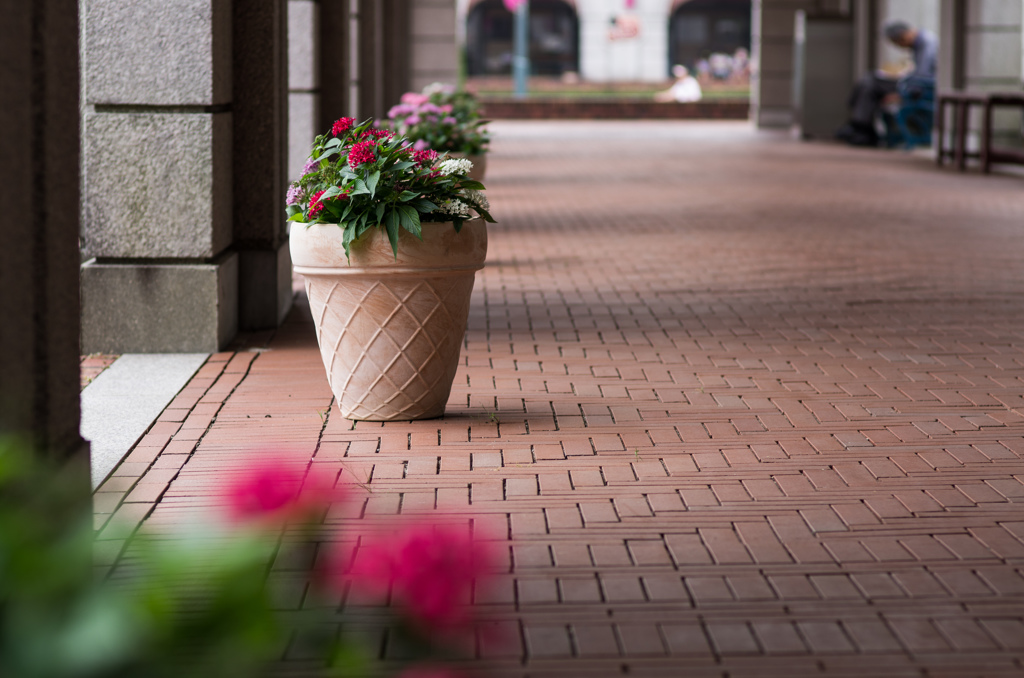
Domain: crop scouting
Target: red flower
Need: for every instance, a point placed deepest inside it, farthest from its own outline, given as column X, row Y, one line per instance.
column 315, row 206
column 276, row 489
column 342, row 125
column 360, row 153
column 430, row 569
column 377, row 133
column 424, row 157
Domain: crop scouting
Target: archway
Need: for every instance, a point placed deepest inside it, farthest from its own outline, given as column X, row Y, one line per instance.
column 699, row 29
column 554, row 38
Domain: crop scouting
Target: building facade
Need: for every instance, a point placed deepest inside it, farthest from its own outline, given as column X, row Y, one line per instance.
column 606, row 40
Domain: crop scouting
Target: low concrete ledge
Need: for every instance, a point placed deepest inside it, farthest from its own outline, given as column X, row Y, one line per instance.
column 599, row 109
column 140, row 307
column 120, row 405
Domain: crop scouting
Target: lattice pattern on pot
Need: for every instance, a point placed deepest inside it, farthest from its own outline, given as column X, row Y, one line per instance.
column 390, row 347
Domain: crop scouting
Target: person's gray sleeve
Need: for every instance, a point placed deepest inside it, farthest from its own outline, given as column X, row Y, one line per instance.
column 926, row 55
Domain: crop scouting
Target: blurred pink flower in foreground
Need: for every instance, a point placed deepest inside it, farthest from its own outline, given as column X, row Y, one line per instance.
column 513, row 5
column 278, row 489
column 430, row 569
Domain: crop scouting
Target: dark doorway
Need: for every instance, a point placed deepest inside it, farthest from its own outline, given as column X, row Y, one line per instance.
column 699, row 29
column 554, row 38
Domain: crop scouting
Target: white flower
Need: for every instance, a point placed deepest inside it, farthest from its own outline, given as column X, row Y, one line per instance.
column 455, row 166
column 455, row 207
column 478, row 199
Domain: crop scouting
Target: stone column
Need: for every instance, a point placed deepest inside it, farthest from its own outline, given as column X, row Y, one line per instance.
column 338, row 56
column 433, row 54
column 158, row 177
column 772, row 37
column 304, row 91
column 39, row 191
column 259, row 109
column 993, row 61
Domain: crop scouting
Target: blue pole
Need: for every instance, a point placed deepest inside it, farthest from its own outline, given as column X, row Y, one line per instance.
column 521, row 58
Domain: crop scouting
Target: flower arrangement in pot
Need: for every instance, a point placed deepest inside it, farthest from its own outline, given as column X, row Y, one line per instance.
column 444, row 119
column 388, row 239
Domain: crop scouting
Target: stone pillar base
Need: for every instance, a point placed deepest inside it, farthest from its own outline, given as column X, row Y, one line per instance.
column 139, row 307
column 264, row 288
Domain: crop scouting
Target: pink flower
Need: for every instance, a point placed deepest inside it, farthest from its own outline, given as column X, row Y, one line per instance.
column 430, row 570
column 361, row 153
column 276, row 489
column 420, row 145
column 399, row 110
column 449, row 120
column 412, row 120
column 342, row 125
column 513, row 5
column 414, row 98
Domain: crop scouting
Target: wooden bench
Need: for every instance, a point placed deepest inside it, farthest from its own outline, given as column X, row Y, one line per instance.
column 961, row 103
column 989, row 154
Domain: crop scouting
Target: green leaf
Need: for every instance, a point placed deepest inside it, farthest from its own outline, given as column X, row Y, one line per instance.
column 347, row 238
column 292, row 210
column 485, row 214
column 371, row 182
column 348, row 210
column 380, row 212
column 392, row 229
column 471, row 184
column 392, row 220
column 404, row 165
column 410, row 219
column 330, row 193
column 333, row 143
column 296, row 217
column 457, row 223
column 361, row 188
column 423, row 206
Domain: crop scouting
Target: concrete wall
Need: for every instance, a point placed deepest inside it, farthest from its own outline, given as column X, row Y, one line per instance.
column 642, row 58
column 39, row 193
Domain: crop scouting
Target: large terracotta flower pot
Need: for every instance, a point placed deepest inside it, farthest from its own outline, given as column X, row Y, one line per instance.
column 389, row 329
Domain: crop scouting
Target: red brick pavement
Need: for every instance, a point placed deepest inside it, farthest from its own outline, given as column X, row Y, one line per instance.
column 91, row 366
column 739, row 406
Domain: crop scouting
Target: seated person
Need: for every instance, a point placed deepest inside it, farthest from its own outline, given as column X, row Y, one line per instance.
column 877, row 91
column 685, row 89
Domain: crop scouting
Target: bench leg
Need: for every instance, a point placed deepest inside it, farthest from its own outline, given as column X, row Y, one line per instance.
column 986, row 139
column 960, row 144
